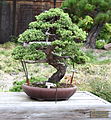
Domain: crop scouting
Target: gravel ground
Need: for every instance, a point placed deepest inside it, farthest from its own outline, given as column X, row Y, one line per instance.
column 6, row 80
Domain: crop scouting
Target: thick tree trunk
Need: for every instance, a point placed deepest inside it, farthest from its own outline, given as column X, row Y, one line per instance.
column 91, row 39
column 57, row 76
column 60, row 67
column 55, row 61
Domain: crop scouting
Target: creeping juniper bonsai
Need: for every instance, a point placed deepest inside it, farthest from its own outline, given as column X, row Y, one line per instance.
column 50, row 39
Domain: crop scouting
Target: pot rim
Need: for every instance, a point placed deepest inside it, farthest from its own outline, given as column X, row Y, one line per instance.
column 50, row 88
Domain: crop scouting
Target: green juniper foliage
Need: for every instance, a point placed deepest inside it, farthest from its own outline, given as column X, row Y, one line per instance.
column 51, row 39
column 60, row 25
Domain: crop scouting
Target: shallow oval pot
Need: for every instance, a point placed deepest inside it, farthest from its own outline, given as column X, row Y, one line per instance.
column 49, row 94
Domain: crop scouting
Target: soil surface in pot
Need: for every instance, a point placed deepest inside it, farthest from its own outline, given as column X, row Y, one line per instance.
column 58, row 85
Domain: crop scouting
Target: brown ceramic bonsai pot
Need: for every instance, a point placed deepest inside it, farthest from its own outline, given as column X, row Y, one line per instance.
column 49, row 94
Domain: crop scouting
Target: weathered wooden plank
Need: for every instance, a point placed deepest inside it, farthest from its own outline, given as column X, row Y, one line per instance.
column 15, row 106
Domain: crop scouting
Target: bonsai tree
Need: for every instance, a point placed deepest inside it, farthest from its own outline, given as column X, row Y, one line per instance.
column 50, row 39
column 98, row 10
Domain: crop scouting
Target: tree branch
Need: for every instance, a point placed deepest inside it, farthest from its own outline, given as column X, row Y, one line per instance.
column 48, row 34
column 27, row 44
column 36, row 61
column 61, row 57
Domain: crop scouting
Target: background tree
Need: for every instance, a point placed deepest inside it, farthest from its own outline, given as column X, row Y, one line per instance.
column 50, row 39
column 98, row 10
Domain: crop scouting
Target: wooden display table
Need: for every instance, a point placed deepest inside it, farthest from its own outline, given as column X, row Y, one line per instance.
column 81, row 106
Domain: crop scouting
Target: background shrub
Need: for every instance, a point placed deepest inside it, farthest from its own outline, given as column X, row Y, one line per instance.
column 101, row 88
column 100, row 44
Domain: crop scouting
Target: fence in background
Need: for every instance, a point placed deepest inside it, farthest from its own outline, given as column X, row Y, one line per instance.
column 15, row 15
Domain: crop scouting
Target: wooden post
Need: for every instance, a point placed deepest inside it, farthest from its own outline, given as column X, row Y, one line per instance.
column 1, row 13
column 54, row 3
column 26, row 72
column 14, row 18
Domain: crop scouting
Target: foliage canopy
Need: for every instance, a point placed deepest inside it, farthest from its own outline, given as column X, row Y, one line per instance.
column 50, row 39
column 56, row 27
column 99, row 10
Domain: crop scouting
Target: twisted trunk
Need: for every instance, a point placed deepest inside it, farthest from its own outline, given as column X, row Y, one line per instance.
column 61, row 70
column 55, row 61
column 91, row 39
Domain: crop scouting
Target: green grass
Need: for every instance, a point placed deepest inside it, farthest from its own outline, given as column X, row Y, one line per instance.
column 106, row 53
column 107, row 61
column 98, row 56
column 8, row 45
